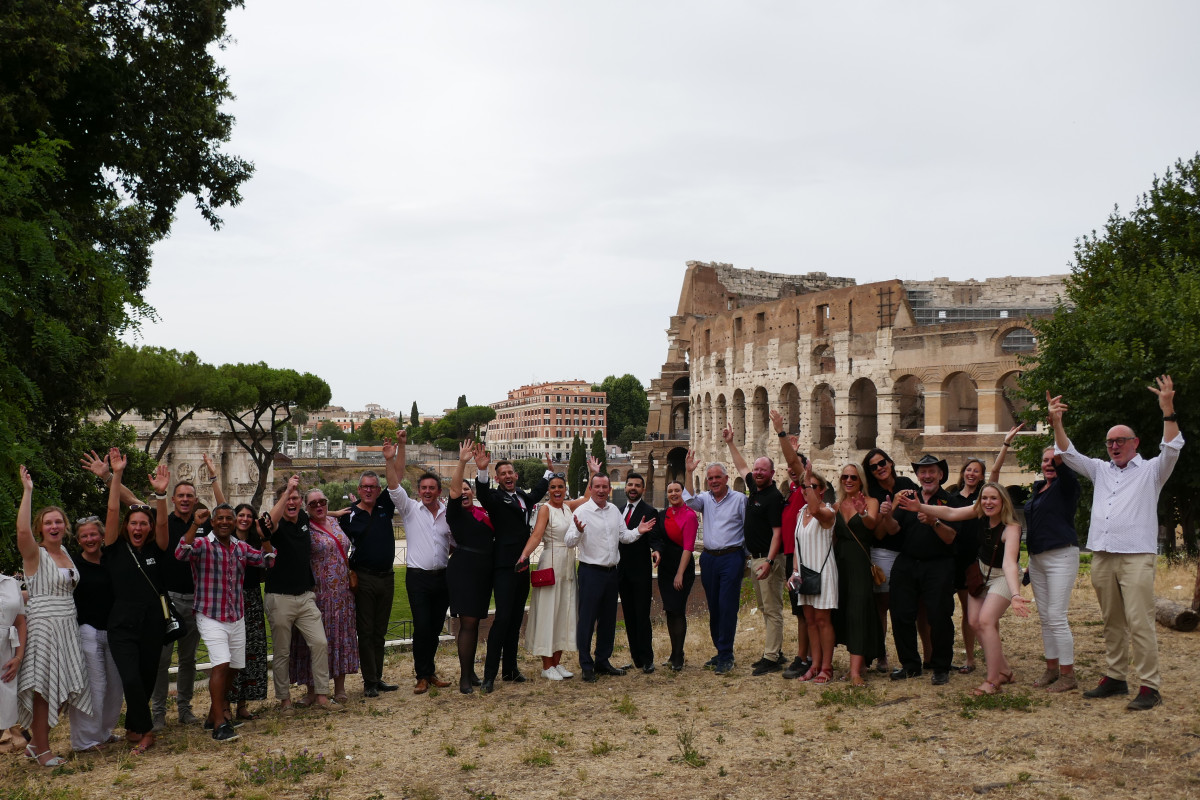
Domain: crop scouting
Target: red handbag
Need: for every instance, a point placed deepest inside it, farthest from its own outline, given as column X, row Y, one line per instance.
column 542, row 577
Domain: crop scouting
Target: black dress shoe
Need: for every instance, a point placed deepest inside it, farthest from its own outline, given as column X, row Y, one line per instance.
column 515, row 677
column 488, row 685
column 589, row 676
column 609, row 669
column 631, row 666
column 466, row 688
column 940, row 678
column 386, row 687
column 475, row 681
column 900, row 673
column 369, row 690
column 1107, row 688
column 648, row 669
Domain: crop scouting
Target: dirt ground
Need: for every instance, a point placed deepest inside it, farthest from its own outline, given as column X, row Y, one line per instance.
column 744, row 737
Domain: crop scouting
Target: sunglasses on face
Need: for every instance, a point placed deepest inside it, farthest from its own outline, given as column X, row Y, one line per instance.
column 370, row 486
column 318, row 503
column 877, row 465
column 849, row 477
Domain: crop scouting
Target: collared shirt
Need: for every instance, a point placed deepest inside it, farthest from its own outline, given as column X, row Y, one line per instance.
column 921, row 541
column 630, row 510
column 176, row 574
column 604, row 531
column 293, row 564
column 791, row 515
column 764, row 513
column 427, row 534
column 724, row 519
column 372, row 535
column 1125, row 502
column 219, row 571
column 1050, row 514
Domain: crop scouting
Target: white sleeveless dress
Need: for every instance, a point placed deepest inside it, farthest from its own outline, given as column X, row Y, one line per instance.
column 553, row 610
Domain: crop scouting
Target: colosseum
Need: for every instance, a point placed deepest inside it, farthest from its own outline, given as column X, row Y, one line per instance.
column 909, row 366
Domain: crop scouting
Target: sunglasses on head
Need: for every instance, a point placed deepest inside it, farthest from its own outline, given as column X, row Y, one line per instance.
column 140, row 508
column 86, row 520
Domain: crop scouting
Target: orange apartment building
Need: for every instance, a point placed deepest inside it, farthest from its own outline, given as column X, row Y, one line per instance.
column 542, row 419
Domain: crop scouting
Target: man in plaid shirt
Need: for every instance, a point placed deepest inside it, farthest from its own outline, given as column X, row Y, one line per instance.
column 219, row 569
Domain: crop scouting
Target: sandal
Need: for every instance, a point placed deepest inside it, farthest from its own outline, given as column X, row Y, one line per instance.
column 1048, row 677
column 55, row 761
column 1065, row 683
column 342, row 698
column 981, row 690
column 808, row 676
column 306, row 701
column 1007, row 677
column 966, row 669
column 249, row 717
column 858, row 681
column 142, row 746
column 823, row 677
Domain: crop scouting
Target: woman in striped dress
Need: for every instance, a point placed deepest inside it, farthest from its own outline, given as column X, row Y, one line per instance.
column 53, row 672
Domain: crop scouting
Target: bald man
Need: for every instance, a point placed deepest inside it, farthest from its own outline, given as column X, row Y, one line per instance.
column 1123, row 538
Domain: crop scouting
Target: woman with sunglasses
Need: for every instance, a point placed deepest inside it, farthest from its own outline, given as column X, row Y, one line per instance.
column 855, row 622
column 882, row 484
column 553, row 609
column 966, row 547
column 134, row 549
column 53, row 672
column 93, row 604
column 250, row 682
column 331, row 569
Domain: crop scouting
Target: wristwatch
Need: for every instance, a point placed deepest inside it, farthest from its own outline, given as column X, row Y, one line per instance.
column 1170, row 417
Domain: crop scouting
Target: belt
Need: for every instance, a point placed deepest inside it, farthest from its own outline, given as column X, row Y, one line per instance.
column 378, row 573
column 597, row 566
column 757, row 555
column 430, row 571
column 724, row 551
column 475, row 550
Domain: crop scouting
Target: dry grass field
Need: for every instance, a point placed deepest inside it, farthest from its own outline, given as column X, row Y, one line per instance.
column 692, row 735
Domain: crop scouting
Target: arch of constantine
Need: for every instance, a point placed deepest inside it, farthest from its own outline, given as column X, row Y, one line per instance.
column 908, row 366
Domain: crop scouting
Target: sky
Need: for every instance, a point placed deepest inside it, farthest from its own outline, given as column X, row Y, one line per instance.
column 465, row 197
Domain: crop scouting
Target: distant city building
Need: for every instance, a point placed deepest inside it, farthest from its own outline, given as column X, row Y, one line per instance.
column 543, row 418
column 347, row 420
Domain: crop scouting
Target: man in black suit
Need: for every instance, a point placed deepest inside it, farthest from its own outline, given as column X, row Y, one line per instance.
column 634, row 576
column 510, row 510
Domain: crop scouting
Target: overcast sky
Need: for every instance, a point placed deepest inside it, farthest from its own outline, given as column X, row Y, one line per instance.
column 465, row 197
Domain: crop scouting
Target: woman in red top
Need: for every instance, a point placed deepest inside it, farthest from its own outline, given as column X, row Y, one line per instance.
column 676, row 570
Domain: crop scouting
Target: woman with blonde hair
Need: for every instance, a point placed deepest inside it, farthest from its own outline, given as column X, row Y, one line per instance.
column 998, row 583
column 855, row 621
column 93, row 603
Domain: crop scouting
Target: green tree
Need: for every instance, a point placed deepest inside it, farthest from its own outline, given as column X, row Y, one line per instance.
column 598, row 451
column 384, row 428
column 529, row 471
column 627, row 404
column 464, row 422
column 462, row 401
column 265, row 399
column 414, row 416
column 628, row 435
column 577, row 467
column 329, row 429
column 1132, row 313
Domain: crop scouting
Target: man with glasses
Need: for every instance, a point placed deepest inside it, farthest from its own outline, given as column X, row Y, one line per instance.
column 723, row 561
column 427, row 535
column 1123, row 538
column 178, row 577
column 368, row 525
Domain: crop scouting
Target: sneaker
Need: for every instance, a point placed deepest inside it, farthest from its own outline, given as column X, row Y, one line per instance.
column 1107, row 688
column 562, row 671
column 225, row 733
column 712, row 662
column 798, row 667
column 1147, row 699
column 766, row 665
column 723, row 667
column 186, row 717
column 160, row 722
column 551, row 674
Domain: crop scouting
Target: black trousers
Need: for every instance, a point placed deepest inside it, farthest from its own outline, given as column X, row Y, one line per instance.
column 598, row 613
column 428, row 598
column 372, row 613
column 930, row 582
column 135, row 639
column 636, row 592
column 510, row 590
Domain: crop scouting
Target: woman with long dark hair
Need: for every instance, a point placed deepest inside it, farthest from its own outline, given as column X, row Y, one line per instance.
column 469, row 570
column 676, row 569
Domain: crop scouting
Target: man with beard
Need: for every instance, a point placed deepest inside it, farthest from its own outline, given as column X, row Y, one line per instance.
column 924, row 573
column 178, row 578
column 218, row 564
column 763, row 526
column 634, row 576
column 509, row 509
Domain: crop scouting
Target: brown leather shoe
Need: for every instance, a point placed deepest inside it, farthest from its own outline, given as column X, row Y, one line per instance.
column 422, row 687
column 434, row 680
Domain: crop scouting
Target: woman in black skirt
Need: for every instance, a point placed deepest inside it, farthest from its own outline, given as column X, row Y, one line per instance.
column 676, row 570
column 469, row 572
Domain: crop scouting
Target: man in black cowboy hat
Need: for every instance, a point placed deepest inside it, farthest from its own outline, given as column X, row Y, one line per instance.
column 924, row 573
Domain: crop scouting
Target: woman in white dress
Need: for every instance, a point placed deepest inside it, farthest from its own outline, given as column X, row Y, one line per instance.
column 814, row 549
column 53, row 672
column 553, row 609
column 12, row 649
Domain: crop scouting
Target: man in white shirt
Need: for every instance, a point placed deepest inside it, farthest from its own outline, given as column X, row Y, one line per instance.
column 599, row 531
column 1123, row 538
column 427, row 535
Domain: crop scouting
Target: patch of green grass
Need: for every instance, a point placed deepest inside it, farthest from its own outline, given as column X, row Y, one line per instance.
column 450, row 750
column 625, row 706
column 467, row 766
column 788, row 728
column 536, row 757
column 602, row 747
column 271, row 768
column 556, row 739
column 685, row 740
column 651, row 730
column 849, row 696
column 1000, row 701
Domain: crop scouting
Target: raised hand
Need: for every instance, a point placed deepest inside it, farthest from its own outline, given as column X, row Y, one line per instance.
column 200, row 517
column 691, row 462
column 777, row 421
column 859, row 502
column 95, row 465
column 208, row 463
column 117, row 460
column 886, row 507
column 293, row 483
column 401, row 437
column 160, row 479
column 1008, row 439
column 1165, row 390
column 389, row 449
column 593, row 465
column 482, row 458
column 26, row 479
column 727, row 434
column 466, row 451
column 549, row 462
column 1055, row 408
column 647, row 525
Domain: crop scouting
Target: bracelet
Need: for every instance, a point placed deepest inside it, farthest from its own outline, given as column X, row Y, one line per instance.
column 156, row 497
column 781, row 434
column 1170, row 417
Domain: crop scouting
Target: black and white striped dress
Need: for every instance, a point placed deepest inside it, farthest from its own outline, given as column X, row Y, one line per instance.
column 53, row 665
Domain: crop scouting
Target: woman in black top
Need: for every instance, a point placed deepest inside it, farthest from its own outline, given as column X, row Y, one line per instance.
column 882, row 484
column 469, row 571
column 966, row 545
column 1053, row 563
column 999, row 547
column 93, row 603
column 133, row 551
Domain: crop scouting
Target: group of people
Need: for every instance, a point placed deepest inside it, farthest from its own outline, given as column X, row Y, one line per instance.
column 97, row 627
